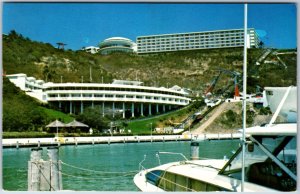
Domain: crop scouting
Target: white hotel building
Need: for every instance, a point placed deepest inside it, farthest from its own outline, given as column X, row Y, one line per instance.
column 196, row 40
column 130, row 98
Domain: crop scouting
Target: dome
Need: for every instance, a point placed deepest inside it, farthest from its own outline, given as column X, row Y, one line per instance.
column 117, row 38
column 117, row 44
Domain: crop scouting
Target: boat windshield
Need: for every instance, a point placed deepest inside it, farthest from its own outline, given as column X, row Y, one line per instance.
column 254, row 154
column 269, row 161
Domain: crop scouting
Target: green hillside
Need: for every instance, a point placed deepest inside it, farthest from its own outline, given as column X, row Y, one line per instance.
column 189, row 69
column 21, row 112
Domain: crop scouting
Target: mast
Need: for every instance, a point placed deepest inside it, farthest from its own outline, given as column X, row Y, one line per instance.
column 244, row 95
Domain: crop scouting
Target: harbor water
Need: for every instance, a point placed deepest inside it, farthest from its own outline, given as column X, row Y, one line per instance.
column 103, row 167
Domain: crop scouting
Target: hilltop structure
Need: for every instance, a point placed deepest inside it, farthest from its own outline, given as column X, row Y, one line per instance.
column 196, row 40
column 130, row 98
column 91, row 49
column 117, row 44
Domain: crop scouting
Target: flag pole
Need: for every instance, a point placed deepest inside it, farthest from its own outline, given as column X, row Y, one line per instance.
column 244, row 95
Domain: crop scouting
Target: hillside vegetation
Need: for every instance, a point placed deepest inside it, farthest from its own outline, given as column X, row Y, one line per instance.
column 189, row 69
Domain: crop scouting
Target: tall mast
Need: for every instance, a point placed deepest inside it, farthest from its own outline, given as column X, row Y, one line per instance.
column 244, row 95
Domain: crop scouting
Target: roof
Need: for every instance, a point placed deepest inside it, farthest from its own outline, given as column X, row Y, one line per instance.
column 127, row 82
column 56, row 123
column 75, row 123
column 117, row 38
column 272, row 130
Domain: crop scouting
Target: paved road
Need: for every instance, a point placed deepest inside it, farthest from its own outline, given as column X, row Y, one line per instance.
column 212, row 116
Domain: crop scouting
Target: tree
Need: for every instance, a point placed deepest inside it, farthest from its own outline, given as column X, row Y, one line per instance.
column 94, row 118
column 261, row 44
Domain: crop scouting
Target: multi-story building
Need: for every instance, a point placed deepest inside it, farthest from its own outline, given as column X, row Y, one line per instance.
column 196, row 40
column 120, row 96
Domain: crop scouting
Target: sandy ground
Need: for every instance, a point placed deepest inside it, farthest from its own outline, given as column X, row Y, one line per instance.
column 212, row 116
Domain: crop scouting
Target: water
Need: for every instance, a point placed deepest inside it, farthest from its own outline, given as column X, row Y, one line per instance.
column 109, row 167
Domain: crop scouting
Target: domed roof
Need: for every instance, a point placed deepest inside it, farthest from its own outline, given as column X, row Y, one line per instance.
column 117, row 38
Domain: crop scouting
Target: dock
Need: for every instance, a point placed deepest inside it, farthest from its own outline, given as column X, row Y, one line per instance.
column 39, row 142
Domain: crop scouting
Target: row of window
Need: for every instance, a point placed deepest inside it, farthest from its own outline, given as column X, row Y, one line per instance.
column 192, row 38
column 175, row 182
column 115, row 89
column 116, row 96
column 193, row 44
column 220, row 33
column 182, row 48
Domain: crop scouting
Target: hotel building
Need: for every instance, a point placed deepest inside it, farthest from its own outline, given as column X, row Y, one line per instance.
column 196, row 40
column 129, row 98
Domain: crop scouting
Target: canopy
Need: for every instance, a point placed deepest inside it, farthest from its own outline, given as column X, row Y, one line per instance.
column 75, row 123
column 56, row 123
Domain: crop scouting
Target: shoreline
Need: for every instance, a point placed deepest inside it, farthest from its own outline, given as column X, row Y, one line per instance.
column 61, row 141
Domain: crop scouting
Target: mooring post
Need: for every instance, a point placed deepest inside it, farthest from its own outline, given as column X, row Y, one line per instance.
column 17, row 145
column 39, row 143
column 55, row 174
column 34, row 169
column 163, row 139
column 93, row 142
column 75, row 142
column 194, row 150
column 124, row 140
column 108, row 141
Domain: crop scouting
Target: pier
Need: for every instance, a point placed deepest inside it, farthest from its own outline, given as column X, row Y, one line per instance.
column 37, row 142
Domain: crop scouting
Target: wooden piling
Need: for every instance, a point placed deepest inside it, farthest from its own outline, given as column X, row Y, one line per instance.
column 34, row 172
column 54, row 166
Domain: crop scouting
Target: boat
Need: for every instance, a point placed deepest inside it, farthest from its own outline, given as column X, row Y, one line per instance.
column 265, row 160
column 270, row 163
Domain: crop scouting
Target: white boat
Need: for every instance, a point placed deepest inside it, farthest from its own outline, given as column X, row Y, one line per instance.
column 265, row 161
column 270, row 163
column 270, row 159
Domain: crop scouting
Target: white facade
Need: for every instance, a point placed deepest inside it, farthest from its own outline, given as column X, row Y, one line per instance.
column 196, row 40
column 117, row 44
column 119, row 96
column 91, row 49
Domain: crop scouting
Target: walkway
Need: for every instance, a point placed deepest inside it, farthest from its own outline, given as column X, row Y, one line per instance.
column 212, row 116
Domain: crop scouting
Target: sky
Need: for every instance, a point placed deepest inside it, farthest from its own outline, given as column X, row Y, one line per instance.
column 87, row 24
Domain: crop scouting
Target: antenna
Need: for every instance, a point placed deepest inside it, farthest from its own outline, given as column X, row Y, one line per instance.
column 91, row 79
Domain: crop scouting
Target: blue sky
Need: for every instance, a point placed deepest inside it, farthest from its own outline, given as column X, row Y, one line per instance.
column 86, row 24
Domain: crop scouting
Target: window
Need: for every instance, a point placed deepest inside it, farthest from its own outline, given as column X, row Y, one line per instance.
column 153, row 176
column 87, row 95
column 119, row 96
column 98, row 95
column 64, row 95
column 53, row 95
column 76, row 95
column 109, row 96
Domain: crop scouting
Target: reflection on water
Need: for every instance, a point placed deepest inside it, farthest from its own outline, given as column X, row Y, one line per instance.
column 105, row 167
